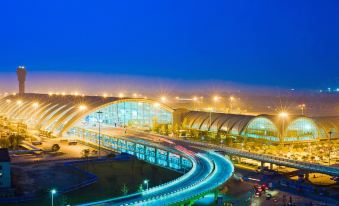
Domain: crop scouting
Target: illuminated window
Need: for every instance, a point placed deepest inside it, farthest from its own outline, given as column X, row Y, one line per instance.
column 262, row 127
column 135, row 114
column 301, row 129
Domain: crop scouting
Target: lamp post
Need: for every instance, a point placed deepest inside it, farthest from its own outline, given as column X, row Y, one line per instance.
column 194, row 99
column 210, row 116
column 146, row 183
column 329, row 149
column 216, row 99
column 231, row 103
column 53, row 192
column 99, row 114
column 283, row 116
column 302, row 107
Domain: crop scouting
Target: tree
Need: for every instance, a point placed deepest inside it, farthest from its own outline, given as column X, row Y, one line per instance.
column 15, row 140
column 85, row 153
column 175, row 129
column 63, row 200
column 55, row 148
column 124, row 189
column 141, row 188
column 155, row 125
column 195, row 134
column 163, row 129
column 4, row 142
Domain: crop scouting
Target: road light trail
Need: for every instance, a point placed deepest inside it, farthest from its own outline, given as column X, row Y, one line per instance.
column 209, row 171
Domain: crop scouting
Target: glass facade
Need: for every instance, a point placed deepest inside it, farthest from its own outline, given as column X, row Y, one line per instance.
column 135, row 114
column 301, row 129
column 261, row 127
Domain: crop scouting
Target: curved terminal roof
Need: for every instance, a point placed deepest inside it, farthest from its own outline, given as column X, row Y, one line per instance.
column 58, row 112
column 237, row 124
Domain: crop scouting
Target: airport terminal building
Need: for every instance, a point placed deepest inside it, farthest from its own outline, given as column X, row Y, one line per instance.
column 60, row 114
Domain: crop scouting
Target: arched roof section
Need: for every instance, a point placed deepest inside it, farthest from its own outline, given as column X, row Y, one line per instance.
column 60, row 111
column 93, row 108
column 327, row 124
column 261, row 127
column 219, row 121
column 301, row 129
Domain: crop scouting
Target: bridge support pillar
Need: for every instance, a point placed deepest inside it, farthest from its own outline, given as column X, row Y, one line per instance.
column 262, row 165
column 271, row 166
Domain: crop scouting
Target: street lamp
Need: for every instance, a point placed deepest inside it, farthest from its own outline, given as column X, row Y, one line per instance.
column 210, row 109
column 146, row 183
column 163, row 99
column 329, row 144
column 216, row 98
column 231, row 103
column 283, row 116
column 195, row 99
column 99, row 114
column 121, row 95
column 82, row 107
column 53, row 192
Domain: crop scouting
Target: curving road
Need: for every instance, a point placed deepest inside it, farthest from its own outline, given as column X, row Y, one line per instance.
column 209, row 171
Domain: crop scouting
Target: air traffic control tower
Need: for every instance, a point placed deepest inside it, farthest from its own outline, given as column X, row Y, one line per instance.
column 21, row 72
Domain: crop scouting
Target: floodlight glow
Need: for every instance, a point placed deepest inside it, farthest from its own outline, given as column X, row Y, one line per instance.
column 216, row 98
column 156, row 104
column 283, row 114
column 82, row 107
column 163, row 99
column 35, row 104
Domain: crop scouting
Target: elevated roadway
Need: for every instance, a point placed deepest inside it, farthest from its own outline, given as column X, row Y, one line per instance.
column 209, row 171
column 306, row 166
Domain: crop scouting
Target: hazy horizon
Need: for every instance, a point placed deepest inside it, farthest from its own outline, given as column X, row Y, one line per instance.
column 97, row 83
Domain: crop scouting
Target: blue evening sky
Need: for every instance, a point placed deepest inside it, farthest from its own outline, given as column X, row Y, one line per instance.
column 289, row 43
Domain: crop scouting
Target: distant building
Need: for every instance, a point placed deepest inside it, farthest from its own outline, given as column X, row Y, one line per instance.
column 5, row 169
